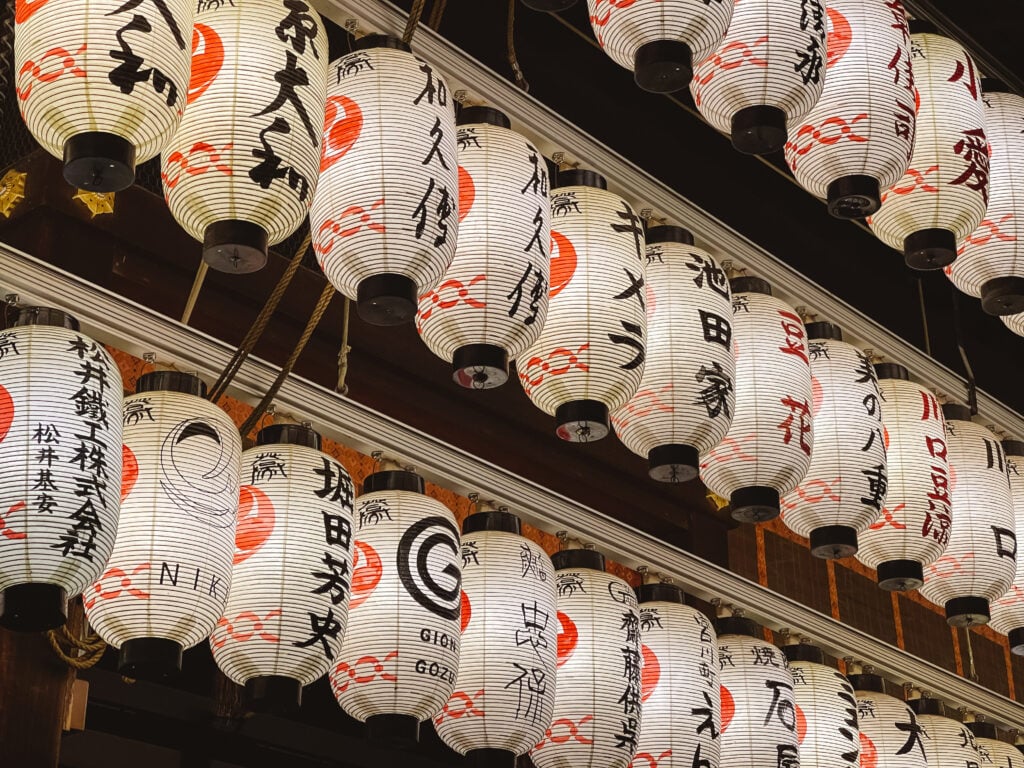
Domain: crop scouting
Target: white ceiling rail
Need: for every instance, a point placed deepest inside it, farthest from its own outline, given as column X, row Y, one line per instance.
column 137, row 329
column 551, row 133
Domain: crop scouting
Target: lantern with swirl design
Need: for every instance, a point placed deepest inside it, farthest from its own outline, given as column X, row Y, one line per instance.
column 993, row 751
column 890, row 734
column 950, row 743
column 826, row 710
column 1008, row 611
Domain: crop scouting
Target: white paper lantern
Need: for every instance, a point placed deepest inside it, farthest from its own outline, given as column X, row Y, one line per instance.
column 505, row 691
column 400, row 656
column 844, row 490
column 992, row 752
column 980, row 561
column 60, row 454
column 686, row 399
column 915, row 525
column 660, row 40
column 596, row 720
column 240, row 173
column 1008, row 611
column 890, row 734
column 102, row 83
column 769, row 68
column 1014, row 322
column 167, row 580
column 950, row 743
column 990, row 264
column 385, row 218
column 767, row 451
column 826, row 711
column 589, row 358
column 943, row 195
column 759, row 718
column 288, row 604
column 858, row 139
column 680, row 693
column 492, row 302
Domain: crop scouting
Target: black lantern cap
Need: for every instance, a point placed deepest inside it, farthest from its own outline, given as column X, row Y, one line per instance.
column 581, row 421
column 97, row 161
column 577, row 177
column 867, row 682
column 492, row 520
column 489, row 115
column 663, row 66
column 402, row 731
column 56, row 318
column 747, row 284
column 891, row 371
column 490, row 758
column 394, row 480
column 1013, row 447
column 150, row 658
column 375, row 40
column 480, row 366
column 927, row 706
column 967, row 611
column 1002, row 296
column 578, row 558
column 33, row 607
column 289, row 434
column 804, row 652
column 758, row 130
column 274, row 693
column 824, row 330
column 386, row 299
column 754, row 504
column 922, row 26
column 929, row 249
column 736, row 625
column 956, row 412
column 673, row 463
column 1016, row 638
column 832, row 542
column 235, row 246
column 171, row 381
column 660, row 592
column 984, row 730
column 667, row 233
column 853, row 197
column 551, row 6
column 900, row 575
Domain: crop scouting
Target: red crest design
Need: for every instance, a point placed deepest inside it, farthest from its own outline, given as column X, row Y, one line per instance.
column 207, row 59
column 563, row 262
column 343, row 122
column 467, row 193
column 129, row 471
column 840, row 35
column 568, row 636
column 466, row 611
column 24, row 9
column 728, row 707
column 366, row 572
column 651, row 673
column 6, row 412
column 255, row 522
column 868, row 752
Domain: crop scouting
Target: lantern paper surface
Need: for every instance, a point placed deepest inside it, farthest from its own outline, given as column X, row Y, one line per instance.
column 288, row 604
column 829, row 737
column 686, row 396
column 400, row 654
column 946, row 187
column 1008, row 611
column 496, row 290
column 170, row 571
column 951, row 744
column 997, row 754
column 59, row 487
column 1015, row 323
column 505, row 691
column 890, row 733
column 596, row 719
column 861, row 130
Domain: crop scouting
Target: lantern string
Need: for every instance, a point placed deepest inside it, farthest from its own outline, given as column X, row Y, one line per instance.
column 510, row 40
column 193, row 296
column 924, row 318
column 92, row 648
column 972, row 673
column 958, row 333
column 342, row 387
column 436, row 12
column 414, row 19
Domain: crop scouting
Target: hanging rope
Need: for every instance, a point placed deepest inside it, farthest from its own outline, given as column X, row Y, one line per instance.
column 958, row 332
column 414, row 19
column 89, row 649
column 193, row 295
column 971, row 671
column 342, row 387
column 436, row 12
column 510, row 42
column 924, row 318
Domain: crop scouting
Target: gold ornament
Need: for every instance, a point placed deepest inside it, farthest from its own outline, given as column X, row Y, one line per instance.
column 12, row 191
column 97, row 202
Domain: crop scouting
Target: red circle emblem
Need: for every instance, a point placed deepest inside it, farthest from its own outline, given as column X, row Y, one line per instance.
column 840, row 35
column 563, row 262
column 6, row 413
column 207, row 59
column 728, row 707
column 466, row 611
column 129, row 471
column 343, row 122
column 255, row 522
column 467, row 193
column 651, row 673
column 568, row 636
column 366, row 572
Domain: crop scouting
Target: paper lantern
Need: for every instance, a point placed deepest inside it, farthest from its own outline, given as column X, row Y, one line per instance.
column 240, row 173
column 991, row 263
column 980, row 560
column 167, row 580
column 505, row 691
column 102, row 83
column 859, row 137
column 493, row 299
column 385, row 218
column 1008, row 611
column 682, row 705
column 992, row 751
column 890, row 734
column 943, row 195
column 767, row 450
column 759, row 717
column 288, row 603
column 844, row 490
column 659, row 41
column 596, row 720
column 950, row 743
column 1014, row 322
column 826, row 710
column 914, row 528
column 769, row 68
column 60, row 450
column 589, row 358
column 686, row 399
column 400, row 655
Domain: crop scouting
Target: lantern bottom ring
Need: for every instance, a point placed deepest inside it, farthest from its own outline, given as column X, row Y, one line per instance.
column 582, row 421
column 386, row 299
column 853, row 197
column 33, row 607
column 97, row 161
column 480, row 366
column 758, row 130
column 969, row 611
column 663, row 66
column 1003, row 296
column 235, row 246
column 831, row 542
column 551, row 6
column 402, row 731
column 754, row 504
column 900, row 575
column 149, row 658
column 1016, row 638
column 673, row 463
column 929, row 249
column 274, row 693
column 491, row 758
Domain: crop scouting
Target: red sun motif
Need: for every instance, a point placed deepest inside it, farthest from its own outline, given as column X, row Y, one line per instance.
column 568, row 636
column 366, row 572
column 728, row 707
column 343, row 122
column 207, row 59
column 467, row 193
column 816, row 395
column 6, row 413
column 129, row 471
column 840, row 35
column 563, row 262
column 801, row 725
column 868, row 752
column 24, row 9
column 466, row 612
column 255, row 522
column 651, row 673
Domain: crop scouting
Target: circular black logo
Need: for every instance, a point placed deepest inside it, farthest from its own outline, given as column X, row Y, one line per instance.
column 426, row 587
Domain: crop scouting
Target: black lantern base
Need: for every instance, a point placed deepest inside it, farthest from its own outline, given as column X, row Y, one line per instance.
column 929, row 249
column 33, row 607
column 1016, row 638
column 99, row 162
column 150, row 658
column 754, row 504
column 663, row 66
column 900, row 575
column 967, row 611
column 490, row 758
column 402, row 731
column 853, row 197
column 551, row 6
column 673, row 463
column 582, row 421
column 759, row 130
column 387, row 299
column 480, row 366
column 1003, row 296
column 235, row 246
column 273, row 693
column 831, row 542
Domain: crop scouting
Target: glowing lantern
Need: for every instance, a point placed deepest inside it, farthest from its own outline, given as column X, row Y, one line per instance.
column 682, row 706
column 686, row 401
column 980, row 560
column 942, row 197
column 998, row 754
column 102, row 83
column 1014, row 322
column 859, row 137
column 890, row 734
column 950, row 743
column 827, row 710
column 659, row 41
column 400, row 654
column 493, row 299
column 767, row 450
column 505, row 691
column 844, row 490
column 167, row 580
column 596, row 720
column 385, row 217
column 1008, row 611
column 60, row 449
column 288, row 604
column 914, row 528
column 589, row 358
